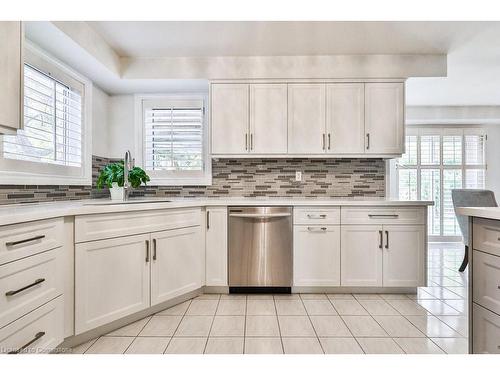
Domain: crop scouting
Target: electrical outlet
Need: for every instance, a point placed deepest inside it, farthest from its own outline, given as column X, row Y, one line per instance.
column 298, row 176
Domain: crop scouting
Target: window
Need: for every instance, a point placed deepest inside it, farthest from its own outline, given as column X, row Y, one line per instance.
column 52, row 123
column 51, row 146
column 438, row 160
column 174, row 149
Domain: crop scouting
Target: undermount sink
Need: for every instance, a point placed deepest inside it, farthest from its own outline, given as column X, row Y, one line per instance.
column 100, row 202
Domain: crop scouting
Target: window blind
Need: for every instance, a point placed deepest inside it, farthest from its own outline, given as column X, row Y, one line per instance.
column 173, row 136
column 52, row 130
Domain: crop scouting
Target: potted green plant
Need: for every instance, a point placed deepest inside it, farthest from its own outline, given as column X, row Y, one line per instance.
column 112, row 177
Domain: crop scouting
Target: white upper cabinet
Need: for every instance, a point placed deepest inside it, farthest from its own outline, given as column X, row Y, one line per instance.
column 268, row 118
column 306, row 118
column 345, row 118
column 230, row 120
column 10, row 76
column 384, row 118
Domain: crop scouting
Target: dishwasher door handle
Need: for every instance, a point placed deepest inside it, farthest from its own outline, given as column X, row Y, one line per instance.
column 261, row 216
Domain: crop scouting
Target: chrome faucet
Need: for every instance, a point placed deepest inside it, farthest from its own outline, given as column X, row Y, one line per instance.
column 127, row 166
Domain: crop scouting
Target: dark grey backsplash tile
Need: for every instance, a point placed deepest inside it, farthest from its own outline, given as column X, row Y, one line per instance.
column 336, row 178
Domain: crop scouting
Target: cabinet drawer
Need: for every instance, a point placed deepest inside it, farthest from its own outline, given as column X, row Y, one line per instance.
column 37, row 332
column 379, row 215
column 486, row 236
column 101, row 226
column 29, row 283
column 486, row 284
column 316, row 215
column 485, row 331
column 21, row 240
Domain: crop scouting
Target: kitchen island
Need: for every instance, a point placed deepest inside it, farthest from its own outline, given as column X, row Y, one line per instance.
column 484, row 279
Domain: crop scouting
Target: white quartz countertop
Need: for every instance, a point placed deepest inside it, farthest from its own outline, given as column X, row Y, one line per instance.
column 484, row 212
column 17, row 213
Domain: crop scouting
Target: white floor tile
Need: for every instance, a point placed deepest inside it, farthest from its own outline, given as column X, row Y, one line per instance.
column 418, row 346
column 224, row 345
column 432, row 326
column 349, row 307
column 110, row 345
column 375, row 345
column 262, row 326
column 296, row 326
column 179, row 309
column 203, row 307
column 330, row 326
column 398, row 326
column 340, row 296
column 437, row 307
column 284, row 307
column 186, row 345
column 364, row 326
column 375, row 307
column 457, row 323
column 340, row 345
column 315, row 307
column 148, row 345
column 231, row 307
column 132, row 329
column 452, row 345
column 194, row 326
column 367, row 296
column 302, row 345
column 313, row 296
column 228, row 326
column 261, row 307
column 161, row 326
column 407, row 307
column 80, row 349
column 263, row 345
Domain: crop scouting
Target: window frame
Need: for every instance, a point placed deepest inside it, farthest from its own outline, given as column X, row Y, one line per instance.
column 172, row 178
column 21, row 172
column 414, row 130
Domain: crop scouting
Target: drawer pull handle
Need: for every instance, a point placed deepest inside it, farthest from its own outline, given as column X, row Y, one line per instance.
column 14, row 292
column 321, row 216
column 313, row 229
column 381, row 239
column 386, row 239
column 147, row 251
column 13, row 243
column 394, row 216
column 154, row 248
column 37, row 337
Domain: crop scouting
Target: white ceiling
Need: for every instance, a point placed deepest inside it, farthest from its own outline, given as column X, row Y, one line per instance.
column 472, row 47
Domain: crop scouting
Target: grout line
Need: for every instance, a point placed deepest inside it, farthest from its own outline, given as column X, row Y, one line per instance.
column 312, row 325
column 178, row 325
column 279, row 327
column 211, row 325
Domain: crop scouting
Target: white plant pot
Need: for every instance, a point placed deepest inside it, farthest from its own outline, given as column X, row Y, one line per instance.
column 116, row 192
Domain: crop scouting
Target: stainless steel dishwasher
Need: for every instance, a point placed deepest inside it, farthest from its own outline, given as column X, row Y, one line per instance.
column 260, row 249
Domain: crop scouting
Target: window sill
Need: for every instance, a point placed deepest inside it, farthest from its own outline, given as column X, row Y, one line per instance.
column 20, row 178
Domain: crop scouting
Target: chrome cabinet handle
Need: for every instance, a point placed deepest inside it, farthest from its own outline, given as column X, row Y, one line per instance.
column 323, row 141
column 154, row 248
column 316, row 229
column 320, row 216
column 381, row 239
column 329, row 141
column 367, row 141
column 251, row 141
column 147, row 251
column 37, row 337
column 246, row 141
column 14, row 292
column 386, row 239
column 13, row 243
column 394, row 216
column 208, row 219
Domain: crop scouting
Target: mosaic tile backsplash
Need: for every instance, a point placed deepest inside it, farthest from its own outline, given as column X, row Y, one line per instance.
column 335, row 178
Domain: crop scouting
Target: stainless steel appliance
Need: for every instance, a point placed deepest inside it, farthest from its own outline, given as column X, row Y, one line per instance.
column 260, row 249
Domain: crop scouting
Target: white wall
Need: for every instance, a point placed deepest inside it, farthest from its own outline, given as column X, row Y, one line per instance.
column 121, row 134
column 100, row 122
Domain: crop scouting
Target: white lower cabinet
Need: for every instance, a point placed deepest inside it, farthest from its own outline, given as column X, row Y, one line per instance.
column 383, row 255
column 404, row 255
column 485, row 331
column 176, row 263
column 216, row 247
column 316, row 255
column 361, row 255
column 38, row 332
column 111, row 280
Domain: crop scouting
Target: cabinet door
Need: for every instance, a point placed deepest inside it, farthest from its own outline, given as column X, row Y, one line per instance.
column 216, row 247
column 11, row 76
column 111, row 280
column 384, row 118
column 404, row 255
column 268, row 119
column 176, row 268
column 316, row 255
column 345, row 118
column 485, row 331
column 230, row 132
column 306, row 119
column 361, row 255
